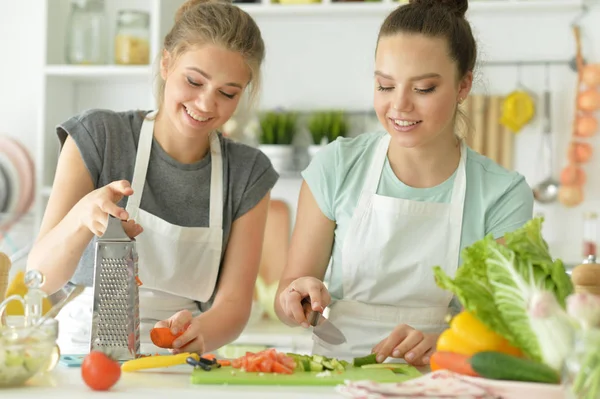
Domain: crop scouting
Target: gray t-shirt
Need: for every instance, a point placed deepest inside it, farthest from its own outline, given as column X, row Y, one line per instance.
column 178, row 193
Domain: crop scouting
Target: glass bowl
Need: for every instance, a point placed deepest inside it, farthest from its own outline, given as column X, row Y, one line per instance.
column 581, row 369
column 25, row 351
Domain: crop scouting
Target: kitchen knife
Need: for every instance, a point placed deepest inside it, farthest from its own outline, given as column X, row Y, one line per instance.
column 323, row 328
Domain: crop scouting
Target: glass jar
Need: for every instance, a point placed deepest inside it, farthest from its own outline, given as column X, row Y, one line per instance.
column 132, row 38
column 86, row 33
column 581, row 372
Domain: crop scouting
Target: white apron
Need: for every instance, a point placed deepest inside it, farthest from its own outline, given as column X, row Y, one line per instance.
column 177, row 265
column 387, row 260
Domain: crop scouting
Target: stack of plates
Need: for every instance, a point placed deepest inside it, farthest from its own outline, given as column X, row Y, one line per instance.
column 17, row 177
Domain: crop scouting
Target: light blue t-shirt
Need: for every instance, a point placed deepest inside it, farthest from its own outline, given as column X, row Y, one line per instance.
column 497, row 201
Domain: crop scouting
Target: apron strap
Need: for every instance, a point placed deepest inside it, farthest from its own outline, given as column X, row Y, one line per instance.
column 216, row 182
column 374, row 174
column 141, row 165
column 457, row 205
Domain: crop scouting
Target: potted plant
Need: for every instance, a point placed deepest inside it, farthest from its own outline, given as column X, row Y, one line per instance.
column 325, row 127
column 277, row 134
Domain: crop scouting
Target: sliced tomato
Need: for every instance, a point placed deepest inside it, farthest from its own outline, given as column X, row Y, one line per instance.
column 267, row 361
column 287, row 362
column 255, row 362
column 271, row 353
column 281, row 369
column 267, row 365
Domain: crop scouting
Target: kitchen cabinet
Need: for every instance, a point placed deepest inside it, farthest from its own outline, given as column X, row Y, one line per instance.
column 69, row 89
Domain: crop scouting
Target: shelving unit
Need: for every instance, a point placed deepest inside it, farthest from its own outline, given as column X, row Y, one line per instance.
column 327, row 7
column 69, row 89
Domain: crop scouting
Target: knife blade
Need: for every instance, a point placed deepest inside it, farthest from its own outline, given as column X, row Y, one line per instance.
column 323, row 328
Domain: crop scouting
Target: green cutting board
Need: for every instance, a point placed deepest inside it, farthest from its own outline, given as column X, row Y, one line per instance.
column 224, row 375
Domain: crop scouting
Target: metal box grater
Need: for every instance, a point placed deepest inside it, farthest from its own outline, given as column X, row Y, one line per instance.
column 115, row 312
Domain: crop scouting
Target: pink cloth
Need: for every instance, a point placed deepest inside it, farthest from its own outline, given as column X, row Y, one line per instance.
column 444, row 384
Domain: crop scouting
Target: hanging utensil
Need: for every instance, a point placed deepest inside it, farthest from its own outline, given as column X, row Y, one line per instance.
column 546, row 191
column 518, row 107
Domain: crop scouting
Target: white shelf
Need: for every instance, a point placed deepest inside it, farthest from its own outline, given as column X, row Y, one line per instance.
column 366, row 8
column 98, row 71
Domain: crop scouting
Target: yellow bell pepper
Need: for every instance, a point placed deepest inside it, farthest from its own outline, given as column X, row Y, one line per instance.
column 467, row 336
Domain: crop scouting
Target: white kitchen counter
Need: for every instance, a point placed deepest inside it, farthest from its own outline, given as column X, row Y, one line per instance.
column 64, row 382
column 172, row 382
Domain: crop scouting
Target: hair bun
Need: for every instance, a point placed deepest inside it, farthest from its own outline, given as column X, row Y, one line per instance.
column 457, row 7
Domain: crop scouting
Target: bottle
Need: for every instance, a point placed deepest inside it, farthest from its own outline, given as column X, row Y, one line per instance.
column 586, row 276
column 86, row 33
column 34, row 280
column 132, row 39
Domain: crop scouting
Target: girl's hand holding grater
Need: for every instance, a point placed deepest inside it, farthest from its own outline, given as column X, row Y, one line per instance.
column 94, row 209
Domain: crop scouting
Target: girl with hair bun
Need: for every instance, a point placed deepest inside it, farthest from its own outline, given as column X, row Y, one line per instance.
column 383, row 208
column 195, row 201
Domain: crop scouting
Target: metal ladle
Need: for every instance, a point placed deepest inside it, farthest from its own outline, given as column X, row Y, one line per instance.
column 546, row 191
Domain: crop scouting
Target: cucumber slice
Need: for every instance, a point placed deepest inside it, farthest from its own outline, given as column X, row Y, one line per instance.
column 314, row 366
column 361, row 361
column 318, row 358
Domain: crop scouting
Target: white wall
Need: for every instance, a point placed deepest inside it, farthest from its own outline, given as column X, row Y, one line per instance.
column 317, row 62
column 21, row 46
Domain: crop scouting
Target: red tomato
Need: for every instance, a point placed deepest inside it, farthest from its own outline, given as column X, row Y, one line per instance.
column 281, row 369
column 99, row 371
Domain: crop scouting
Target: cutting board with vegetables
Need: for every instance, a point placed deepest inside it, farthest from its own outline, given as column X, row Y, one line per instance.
column 231, row 376
column 270, row 367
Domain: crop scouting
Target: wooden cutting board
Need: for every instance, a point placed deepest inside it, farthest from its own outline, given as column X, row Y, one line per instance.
column 224, row 375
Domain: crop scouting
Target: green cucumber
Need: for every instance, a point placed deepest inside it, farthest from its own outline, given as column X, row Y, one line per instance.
column 315, row 366
column 317, row 363
column 361, row 361
column 318, row 358
column 501, row 366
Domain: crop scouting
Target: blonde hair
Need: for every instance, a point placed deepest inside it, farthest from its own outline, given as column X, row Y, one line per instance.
column 218, row 22
column 463, row 126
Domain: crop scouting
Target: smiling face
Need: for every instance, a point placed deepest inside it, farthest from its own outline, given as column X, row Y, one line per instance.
column 203, row 87
column 417, row 89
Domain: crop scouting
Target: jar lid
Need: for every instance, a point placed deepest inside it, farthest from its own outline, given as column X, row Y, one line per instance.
column 134, row 16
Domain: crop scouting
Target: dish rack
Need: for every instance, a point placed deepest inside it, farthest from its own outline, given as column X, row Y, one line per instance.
column 17, row 195
column 16, row 238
